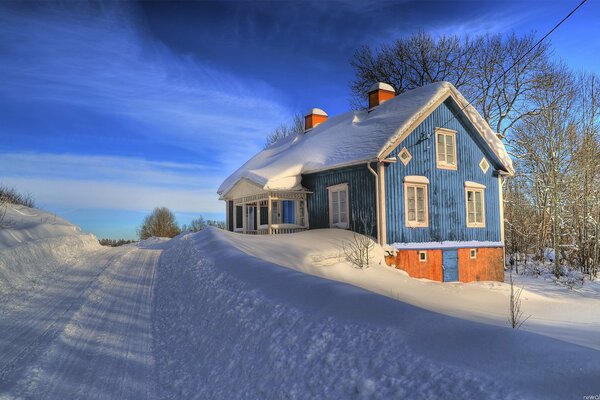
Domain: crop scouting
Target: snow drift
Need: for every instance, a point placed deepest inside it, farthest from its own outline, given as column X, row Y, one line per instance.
column 231, row 324
column 34, row 244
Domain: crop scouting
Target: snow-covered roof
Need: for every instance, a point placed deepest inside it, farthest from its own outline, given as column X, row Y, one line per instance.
column 353, row 138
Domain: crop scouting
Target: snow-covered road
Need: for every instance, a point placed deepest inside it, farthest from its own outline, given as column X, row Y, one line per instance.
column 84, row 333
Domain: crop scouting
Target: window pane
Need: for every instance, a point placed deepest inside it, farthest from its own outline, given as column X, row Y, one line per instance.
column 287, row 211
column 411, row 203
column 335, row 208
column 275, row 212
column 264, row 215
column 301, row 212
column 420, row 204
column 478, row 207
column 440, row 148
column 450, row 149
column 238, row 216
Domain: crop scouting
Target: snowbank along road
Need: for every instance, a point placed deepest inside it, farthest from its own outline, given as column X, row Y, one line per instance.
column 216, row 315
column 85, row 332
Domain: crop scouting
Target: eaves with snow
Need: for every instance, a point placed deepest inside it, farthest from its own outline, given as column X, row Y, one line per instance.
column 357, row 137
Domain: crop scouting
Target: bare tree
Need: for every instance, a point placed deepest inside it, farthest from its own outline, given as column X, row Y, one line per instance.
column 295, row 126
column 544, row 145
column 160, row 223
column 515, row 317
column 359, row 250
column 475, row 66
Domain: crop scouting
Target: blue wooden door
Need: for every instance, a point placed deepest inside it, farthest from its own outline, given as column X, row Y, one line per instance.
column 450, row 265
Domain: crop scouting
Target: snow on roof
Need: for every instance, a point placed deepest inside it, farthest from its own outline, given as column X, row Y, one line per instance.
column 382, row 86
column 316, row 111
column 353, row 138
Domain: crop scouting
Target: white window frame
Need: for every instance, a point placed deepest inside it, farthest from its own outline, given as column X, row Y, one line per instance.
column 416, row 182
column 342, row 187
column 473, row 254
column 406, row 160
column 475, row 188
column 443, row 163
column 484, row 165
column 422, row 253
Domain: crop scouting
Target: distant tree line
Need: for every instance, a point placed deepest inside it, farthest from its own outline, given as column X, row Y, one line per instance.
column 115, row 242
column 161, row 222
column 546, row 114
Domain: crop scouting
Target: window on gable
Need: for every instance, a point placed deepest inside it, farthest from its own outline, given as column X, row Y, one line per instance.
column 405, row 156
column 475, row 205
column 415, row 202
column 445, row 140
column 338, row 206
column 484, row 165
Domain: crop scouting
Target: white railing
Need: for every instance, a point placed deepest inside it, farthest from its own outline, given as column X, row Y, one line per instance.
column 277, row 231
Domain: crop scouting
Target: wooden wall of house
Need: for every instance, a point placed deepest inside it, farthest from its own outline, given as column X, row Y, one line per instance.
column 361, row 188
column 446, row 192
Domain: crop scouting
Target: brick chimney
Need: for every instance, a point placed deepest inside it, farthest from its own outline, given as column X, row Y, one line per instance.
column 380, row 93
column 313, row 118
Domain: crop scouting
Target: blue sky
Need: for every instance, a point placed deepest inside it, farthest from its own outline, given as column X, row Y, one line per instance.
column 108, row 109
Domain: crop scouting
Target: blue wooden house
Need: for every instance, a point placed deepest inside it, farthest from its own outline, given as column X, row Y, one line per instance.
column 421, row 172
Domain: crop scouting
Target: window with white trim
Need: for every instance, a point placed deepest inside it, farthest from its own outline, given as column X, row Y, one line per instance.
column 239, row 215
column 338, row 206
column 484, row 165
column 416, row 202
column 422, row 256
column 283, row 212
column 473, row 253
column 475, row 204
column 301, row 217
column 445, row 140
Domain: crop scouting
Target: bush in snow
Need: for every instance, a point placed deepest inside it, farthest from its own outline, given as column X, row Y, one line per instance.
column 160, row 223
column 515, row 317
column 11, row 196
column 359, row 250
column 200, row 223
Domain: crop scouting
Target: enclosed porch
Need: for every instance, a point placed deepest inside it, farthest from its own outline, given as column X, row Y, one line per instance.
column 268, row 213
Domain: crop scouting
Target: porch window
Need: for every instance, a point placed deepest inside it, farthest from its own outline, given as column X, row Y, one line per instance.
column 301, row 217
column 275, row 213
column 239, row 215
column 288, row 208
column 264, row 213
column 475, row 204
column 446, row 148
column 283, row 212
column 338, row 206
column 416, row 201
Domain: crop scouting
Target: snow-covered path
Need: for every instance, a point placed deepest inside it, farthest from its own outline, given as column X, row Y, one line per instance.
column 86, row 333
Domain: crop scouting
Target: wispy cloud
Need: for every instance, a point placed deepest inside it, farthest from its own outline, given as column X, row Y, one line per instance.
column 100, row 60
column 71, row 181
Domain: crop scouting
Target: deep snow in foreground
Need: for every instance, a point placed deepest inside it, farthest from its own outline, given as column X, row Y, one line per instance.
column 230, row 325
column 216, row 315
column 556, row 311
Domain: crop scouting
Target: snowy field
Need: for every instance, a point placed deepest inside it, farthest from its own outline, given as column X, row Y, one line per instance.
column 216, row 315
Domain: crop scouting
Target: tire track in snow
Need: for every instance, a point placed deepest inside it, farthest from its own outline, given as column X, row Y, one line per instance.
column 105, row 350
column 41, row 316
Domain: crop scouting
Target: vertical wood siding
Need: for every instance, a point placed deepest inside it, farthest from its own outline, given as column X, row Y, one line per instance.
column 447, row 215
column 361, row 196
